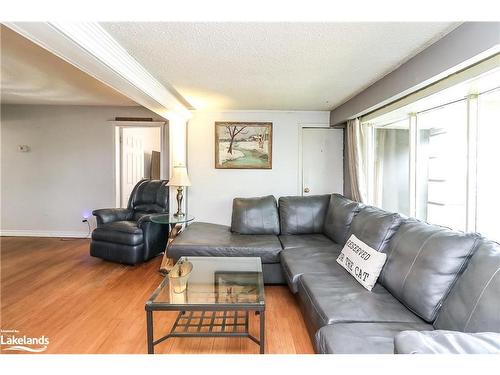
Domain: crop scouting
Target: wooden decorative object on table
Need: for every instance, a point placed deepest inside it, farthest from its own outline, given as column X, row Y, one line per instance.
column 168, row 263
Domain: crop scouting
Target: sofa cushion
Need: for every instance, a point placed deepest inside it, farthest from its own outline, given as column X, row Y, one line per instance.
column 124, row 232
column 446, row 342
column 205, row 239
column 303, row 215
column 375, row 227
column 255, row 216
column 292, row 241
column 341, row 211
column 337, row 298
column 273, row 274
column 423, row 263
column 473, row 304
column 296, row 262
column 361, row 338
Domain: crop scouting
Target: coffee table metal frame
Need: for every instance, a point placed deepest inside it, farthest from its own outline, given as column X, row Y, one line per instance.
column 207, row 311
column 209, row 318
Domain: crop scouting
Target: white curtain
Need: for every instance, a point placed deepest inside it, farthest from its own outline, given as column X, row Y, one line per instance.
column 356, row 147
column 381, row 137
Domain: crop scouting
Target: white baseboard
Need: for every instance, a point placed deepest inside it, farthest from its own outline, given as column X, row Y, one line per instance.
column 43, row 233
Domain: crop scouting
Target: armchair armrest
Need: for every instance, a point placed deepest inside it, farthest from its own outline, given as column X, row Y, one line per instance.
column 108, row 215
column 144, row 219
column 446, row 342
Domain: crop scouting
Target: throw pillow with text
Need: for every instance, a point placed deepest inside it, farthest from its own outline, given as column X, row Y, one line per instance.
column 361, row 261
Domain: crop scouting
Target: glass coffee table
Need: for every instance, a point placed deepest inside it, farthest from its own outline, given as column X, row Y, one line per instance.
column 215, row 300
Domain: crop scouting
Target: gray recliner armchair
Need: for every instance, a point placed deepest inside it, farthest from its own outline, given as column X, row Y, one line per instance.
column 127, row 235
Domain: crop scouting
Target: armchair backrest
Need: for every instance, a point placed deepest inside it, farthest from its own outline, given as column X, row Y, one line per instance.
column 149, row 196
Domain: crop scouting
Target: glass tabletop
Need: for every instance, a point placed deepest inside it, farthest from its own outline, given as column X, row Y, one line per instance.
column 212, row 281
column 171, row 219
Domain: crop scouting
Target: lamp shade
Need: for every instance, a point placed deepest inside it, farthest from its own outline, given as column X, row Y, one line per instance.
column 179, row 177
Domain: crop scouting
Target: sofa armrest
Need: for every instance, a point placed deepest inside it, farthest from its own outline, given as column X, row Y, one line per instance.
column 108, row 215
column 446, row 342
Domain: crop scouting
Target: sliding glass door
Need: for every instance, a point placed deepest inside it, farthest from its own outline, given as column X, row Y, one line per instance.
column 440, row 164
column 488, row 165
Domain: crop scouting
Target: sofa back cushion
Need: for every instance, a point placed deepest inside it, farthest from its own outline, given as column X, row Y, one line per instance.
column 423, row 263
column 473, row 304
column 303, row 215
column 255, row 216
column 341, row 211
column 375, row 227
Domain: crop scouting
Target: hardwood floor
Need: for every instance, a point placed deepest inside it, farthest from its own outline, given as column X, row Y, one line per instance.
column 53, row 287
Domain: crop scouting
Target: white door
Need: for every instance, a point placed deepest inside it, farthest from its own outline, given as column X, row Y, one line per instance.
column 322, row 161
column 132, row 162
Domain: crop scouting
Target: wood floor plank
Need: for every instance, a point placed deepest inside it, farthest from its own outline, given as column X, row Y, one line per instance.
column 53, row 287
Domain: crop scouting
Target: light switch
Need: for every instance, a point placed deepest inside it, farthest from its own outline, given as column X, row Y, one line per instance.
column 23, row 148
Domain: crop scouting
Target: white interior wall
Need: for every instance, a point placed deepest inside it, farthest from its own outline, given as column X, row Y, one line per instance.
column 68, row 172
column 212, row 191
column 177, row 134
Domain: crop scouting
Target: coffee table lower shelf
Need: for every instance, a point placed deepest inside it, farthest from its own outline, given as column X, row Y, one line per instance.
column 209, row 323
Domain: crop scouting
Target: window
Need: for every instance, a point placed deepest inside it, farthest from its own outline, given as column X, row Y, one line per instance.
column 438, row 158
column 441, row 157
column 488, row 165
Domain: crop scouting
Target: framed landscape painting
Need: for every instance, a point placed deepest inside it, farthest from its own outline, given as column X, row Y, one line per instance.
column 243, row 145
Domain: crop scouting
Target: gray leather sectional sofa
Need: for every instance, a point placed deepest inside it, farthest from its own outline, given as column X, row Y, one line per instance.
column 439, row 290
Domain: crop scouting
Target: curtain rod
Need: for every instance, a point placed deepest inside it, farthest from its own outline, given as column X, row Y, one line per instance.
column 343, row 123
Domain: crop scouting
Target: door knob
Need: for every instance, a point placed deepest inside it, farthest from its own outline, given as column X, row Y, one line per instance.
column 306, row 190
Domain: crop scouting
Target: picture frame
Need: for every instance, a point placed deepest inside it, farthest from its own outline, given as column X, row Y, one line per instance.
column 243, row 145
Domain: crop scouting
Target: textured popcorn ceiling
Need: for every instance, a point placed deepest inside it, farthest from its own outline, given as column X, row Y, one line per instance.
column 273, row 66
column 32, row 75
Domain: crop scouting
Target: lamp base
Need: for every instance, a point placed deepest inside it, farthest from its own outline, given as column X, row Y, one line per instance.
column 179, row 202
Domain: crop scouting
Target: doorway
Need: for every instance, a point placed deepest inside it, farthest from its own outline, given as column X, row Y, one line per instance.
column 139, row 154
column 321, row 160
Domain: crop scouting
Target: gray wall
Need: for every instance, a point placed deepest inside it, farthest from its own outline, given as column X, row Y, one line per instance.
column 465, row 42
column 68, row 172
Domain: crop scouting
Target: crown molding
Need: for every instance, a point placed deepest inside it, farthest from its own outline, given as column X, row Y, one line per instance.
column 91, row 49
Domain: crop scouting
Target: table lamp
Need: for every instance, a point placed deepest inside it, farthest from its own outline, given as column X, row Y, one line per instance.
column 180, row 179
